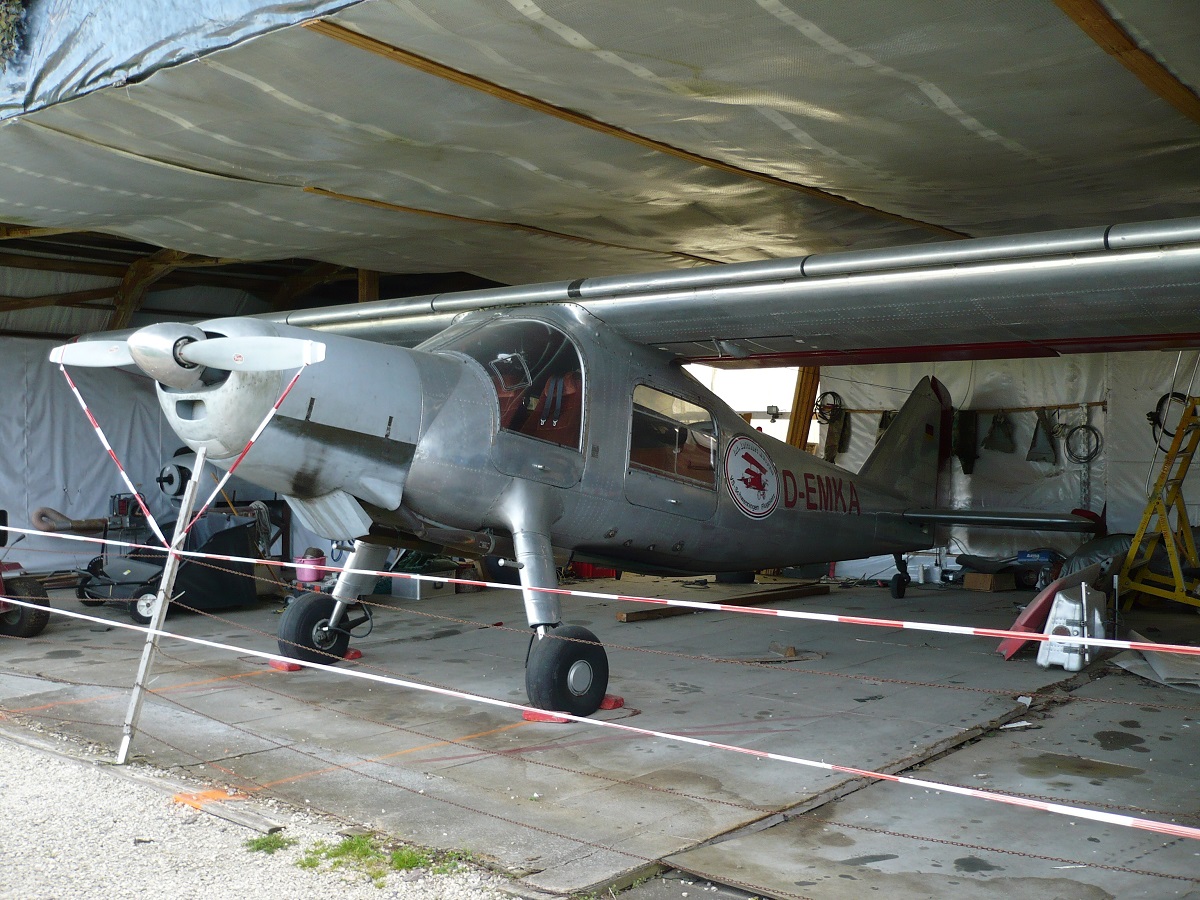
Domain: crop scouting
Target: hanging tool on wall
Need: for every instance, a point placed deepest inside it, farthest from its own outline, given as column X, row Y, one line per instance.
column 966, row 436
column 1000, row 435
column 1043, row 448
column 885, row 419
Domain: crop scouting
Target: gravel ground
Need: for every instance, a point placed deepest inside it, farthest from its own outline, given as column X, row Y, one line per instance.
column 72, row 828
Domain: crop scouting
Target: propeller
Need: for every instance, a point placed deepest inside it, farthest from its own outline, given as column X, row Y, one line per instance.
column 175, row 354
column 93, row 354
column 253, row 354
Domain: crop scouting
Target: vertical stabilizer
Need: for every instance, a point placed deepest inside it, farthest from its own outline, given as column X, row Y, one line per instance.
column 910, row 455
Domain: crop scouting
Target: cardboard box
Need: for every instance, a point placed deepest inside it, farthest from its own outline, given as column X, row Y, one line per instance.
column 980, row 581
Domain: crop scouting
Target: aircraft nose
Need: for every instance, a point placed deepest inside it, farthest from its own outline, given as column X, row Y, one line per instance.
column 157, row 350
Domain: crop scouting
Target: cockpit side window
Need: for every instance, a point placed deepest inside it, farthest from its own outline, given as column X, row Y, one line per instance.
column 671, row 436
column 538, row 376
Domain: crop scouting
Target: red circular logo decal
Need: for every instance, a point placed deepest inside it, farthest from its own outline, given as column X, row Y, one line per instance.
column 752, row 478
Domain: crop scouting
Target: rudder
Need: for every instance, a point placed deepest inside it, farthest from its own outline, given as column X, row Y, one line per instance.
column 911, row 453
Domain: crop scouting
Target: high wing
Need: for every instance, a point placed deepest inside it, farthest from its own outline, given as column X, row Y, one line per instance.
column 1120, row 287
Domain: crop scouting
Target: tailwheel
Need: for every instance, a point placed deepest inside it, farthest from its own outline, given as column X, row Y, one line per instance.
column 305, row 633
column 898, row 584
column 567, row 671
column 25, row 621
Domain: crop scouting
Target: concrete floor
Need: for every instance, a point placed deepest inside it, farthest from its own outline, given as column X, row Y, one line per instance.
column 569, row 808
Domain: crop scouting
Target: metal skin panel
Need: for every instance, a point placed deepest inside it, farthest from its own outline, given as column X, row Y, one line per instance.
column 669, row 495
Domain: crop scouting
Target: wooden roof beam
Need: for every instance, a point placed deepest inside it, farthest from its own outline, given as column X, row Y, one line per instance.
column 1097, row 23
column 85, row 299
column 14, row 232
column 145, row 272
column 301, row 283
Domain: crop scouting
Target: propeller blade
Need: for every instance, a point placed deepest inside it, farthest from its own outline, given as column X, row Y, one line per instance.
column 96, row 354
column 253, row 353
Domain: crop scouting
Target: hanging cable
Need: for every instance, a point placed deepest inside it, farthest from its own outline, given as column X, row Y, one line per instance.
column 1158, row 418
column 1083, row 443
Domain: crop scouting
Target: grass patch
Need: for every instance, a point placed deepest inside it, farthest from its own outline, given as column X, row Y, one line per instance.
column 269, row 843
column 375, row 857
column 406, row 858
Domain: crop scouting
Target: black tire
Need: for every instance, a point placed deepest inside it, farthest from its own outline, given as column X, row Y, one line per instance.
column 302, row 630
column 95, row 569
column 897, row 585
column 81, row 591
column 567, row 671
column 141, row 607
column 22, row 621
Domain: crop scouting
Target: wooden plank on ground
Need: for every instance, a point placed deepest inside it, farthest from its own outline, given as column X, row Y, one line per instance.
column 755, row 598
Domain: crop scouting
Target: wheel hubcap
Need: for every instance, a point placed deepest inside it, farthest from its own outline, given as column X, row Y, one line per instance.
column 323, row 636
column 579, row 678
column 145, row 605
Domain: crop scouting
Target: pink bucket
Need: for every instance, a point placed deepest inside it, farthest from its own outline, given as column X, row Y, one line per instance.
column 305, row 570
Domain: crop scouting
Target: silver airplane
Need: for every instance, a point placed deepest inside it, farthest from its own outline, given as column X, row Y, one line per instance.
column 540, row 423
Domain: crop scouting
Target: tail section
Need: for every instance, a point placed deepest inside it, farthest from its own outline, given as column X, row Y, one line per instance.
column 910, row 455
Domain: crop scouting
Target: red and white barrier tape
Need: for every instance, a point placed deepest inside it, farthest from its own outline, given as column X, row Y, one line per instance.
column 1003, row 634
column 254, row 437
column 1164, row 828
column 120, row 468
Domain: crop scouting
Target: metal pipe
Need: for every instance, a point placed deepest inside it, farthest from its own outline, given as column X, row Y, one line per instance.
column 165, row 586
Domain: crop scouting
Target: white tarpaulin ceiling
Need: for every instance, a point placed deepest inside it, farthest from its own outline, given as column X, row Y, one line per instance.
column 526, row 141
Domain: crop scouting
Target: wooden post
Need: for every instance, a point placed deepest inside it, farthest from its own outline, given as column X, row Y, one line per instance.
column 368, row 285
column 807, row 380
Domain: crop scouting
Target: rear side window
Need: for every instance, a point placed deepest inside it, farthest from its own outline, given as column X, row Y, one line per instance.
column 673, row 437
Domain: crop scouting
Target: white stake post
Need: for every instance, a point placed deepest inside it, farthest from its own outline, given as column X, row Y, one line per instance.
column 165, row 587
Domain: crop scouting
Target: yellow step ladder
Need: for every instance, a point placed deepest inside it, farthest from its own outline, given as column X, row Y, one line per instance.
column 1165, row 522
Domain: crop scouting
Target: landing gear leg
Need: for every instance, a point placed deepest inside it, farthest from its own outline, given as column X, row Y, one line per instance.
column 901, row 579
column 567, row 669
column 315, row 627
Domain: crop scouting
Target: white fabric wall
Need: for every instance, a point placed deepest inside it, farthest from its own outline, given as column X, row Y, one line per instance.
column 52, row 457
column 1130, row 383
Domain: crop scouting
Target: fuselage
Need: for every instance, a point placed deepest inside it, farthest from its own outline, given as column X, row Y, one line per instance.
column 540, row 419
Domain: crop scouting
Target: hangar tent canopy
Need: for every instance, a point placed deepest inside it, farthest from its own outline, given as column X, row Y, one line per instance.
column 529, row 142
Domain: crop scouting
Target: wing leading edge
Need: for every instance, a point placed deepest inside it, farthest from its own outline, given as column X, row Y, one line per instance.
column 1119, row 287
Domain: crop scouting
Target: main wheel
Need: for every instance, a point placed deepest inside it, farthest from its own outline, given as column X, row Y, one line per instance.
column 304, row 632
column 567, row 671
column 24, row 621
column 898, row 584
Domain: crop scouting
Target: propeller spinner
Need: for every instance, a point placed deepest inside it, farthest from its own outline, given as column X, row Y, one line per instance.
column 175, row 354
